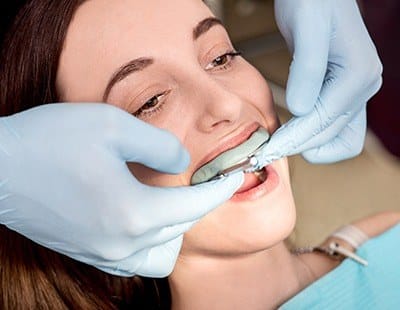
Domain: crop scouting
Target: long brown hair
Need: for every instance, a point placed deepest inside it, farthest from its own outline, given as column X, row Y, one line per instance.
column 31, row 276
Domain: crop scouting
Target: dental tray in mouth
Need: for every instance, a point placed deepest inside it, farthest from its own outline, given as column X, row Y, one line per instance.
column 231, row 158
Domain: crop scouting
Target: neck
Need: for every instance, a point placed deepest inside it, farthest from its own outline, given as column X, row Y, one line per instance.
column 263, row 280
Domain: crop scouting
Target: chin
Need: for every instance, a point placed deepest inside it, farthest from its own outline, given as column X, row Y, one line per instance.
column 240, row 227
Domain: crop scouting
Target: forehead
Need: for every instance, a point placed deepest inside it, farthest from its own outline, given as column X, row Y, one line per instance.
column 105, row 34
column 136, row 16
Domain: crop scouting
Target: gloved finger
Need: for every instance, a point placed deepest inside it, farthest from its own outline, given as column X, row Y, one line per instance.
column 347, row 144
column 160, row 236
column 155, row 267
column 334, row 109
column 186, row 204
column 126, row 267
column 291, row 137
column 310, row 60
column 137, row 141
column 337, row 106
column 303, row 133
column 156, row 262
column 157, row 238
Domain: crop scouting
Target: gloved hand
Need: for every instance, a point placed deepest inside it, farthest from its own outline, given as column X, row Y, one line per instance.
column 335, row 71
column 64, row 183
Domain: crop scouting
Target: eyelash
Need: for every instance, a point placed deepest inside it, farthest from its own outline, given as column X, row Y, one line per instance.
column 144, row 112
column 229, row 56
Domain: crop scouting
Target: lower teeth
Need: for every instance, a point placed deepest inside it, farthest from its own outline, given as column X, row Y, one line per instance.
column 261, row 175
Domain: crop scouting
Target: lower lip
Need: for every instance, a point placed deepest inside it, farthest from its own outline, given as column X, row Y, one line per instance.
column 260, row 190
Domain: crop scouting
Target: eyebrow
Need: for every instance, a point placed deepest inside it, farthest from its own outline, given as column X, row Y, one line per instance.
column 128, row 68
column 144, row 62
column 205, row 25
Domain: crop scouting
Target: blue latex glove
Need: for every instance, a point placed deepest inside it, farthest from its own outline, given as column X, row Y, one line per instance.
column 64, row 183
column 335, row 71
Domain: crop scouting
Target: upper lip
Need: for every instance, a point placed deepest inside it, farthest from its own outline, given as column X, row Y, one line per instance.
column 229, row 143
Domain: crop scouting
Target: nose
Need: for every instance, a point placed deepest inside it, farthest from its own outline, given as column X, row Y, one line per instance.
column 219, row 104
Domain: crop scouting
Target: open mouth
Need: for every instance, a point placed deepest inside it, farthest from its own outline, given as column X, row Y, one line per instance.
column 257, row 184
column 233, row 159
column 253, row 179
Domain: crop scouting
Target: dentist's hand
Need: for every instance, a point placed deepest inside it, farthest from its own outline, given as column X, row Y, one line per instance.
column 335, row 71
column 64, row 183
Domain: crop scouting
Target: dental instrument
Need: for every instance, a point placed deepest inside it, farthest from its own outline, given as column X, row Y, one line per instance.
column 247, row 165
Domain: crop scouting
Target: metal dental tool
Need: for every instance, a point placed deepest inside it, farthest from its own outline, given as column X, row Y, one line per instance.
column 247, row 165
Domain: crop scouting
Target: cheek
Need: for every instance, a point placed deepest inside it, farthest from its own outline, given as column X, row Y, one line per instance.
column 253, row 88
column 171, row 121
column 231, row 233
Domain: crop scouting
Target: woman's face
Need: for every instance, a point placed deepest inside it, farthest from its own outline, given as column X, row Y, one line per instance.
column 180, row 74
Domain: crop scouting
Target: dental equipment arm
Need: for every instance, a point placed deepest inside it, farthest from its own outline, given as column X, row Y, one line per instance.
column 334, row 72
column 64, row 184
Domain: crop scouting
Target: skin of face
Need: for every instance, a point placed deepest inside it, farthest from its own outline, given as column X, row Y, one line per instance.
column 202, row 101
